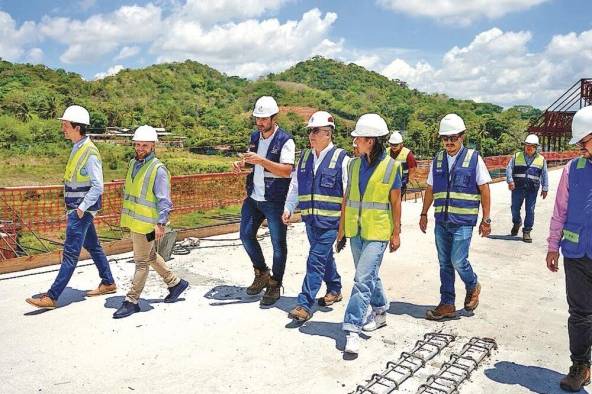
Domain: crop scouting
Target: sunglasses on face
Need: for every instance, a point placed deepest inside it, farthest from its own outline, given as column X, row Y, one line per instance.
column 451, row 138
column 315, row 130
column 582, row 143
column 395, row 145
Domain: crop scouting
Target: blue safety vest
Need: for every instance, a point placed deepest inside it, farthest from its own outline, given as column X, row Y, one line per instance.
column 320, row 195
column 456, row 195
column 577, row 230
column 276, row 187
column 527, row 176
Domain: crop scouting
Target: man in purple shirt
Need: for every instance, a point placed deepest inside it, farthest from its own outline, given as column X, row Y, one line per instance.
column 571, row 230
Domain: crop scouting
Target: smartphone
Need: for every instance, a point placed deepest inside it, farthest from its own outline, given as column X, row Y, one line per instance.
column 151, row 236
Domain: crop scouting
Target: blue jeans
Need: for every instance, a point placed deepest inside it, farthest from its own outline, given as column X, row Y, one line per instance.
column 452, row 243
column 367, row 289
column 79, row 233
column 319, row 266
column 518, row 197
column 252, row 215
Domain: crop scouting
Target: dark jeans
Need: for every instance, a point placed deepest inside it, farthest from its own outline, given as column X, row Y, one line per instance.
column 578, row 284
column 79, row 233
column 252, row 215
column 518, row 197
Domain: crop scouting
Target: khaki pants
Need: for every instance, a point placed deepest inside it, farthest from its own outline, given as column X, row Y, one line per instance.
column 145, row 255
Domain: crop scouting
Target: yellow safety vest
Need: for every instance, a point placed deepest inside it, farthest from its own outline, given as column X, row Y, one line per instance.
column 76, row 183
column 140, row 213
column 369, row 216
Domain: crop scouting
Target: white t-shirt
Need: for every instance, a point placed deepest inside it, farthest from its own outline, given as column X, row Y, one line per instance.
column 483, row 176
column 287, row 156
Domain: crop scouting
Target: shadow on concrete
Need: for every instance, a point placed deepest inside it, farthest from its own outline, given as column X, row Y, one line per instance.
column 536, row 379
column 116, row 301
column 325, row 329
column 505, row 237
column 419, row 311
column 228, row 295
column 68, row 296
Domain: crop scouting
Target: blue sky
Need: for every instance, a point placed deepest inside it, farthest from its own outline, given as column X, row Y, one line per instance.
column 503, row 51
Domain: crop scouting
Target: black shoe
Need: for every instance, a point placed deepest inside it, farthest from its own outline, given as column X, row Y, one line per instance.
column 126, row 309
column 515, row 228
column 176, row 290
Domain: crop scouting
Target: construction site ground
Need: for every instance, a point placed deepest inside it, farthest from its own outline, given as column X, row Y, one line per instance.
column 219, row 340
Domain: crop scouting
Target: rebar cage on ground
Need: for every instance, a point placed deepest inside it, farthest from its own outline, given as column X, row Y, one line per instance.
column 408, row 364
column 459, row 367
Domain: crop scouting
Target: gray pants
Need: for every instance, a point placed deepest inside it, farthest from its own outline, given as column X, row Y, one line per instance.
column 578, row 284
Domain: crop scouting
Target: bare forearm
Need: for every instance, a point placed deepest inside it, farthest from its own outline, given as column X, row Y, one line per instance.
column 485, row 199
column 395, row 199
column 428, row 199
column 279, row 169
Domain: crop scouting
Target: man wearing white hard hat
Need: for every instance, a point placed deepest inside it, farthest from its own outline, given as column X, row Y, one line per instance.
column 405, row 157
column 458, row 183
column 571, row 231
column 526, row 173
column 371, row 219
column 146, row 208
column 317, row 186
column 271, row 155
column 83, row 188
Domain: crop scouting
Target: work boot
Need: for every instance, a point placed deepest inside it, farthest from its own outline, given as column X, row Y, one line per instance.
column 102, row 290
column 272, row 294
column 259, row 283
column 330, row 298
column 176, row 290
column 472, row 298
column 515, row 228
column 44, row 302
column 375, row 321
column 578, row 377
column 442, row 311
column 299, row 314
column 526, row 237
column 126, row 309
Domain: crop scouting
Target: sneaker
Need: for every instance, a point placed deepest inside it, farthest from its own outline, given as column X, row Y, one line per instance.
column 272, row 293
column 376, row 321
column 44, row 302
column 176, row 290
column 102, row 290
column 126, row 309
column 578, row 377
column 526, row 237
column 515, row 228
column 472, row 298
column 260, row 282
column 442, row 311
column 299, row 314
column 330, row 298
column 352, row 343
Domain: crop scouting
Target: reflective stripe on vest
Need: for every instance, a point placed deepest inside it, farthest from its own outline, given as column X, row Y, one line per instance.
column 402, row 159
column 527, row 174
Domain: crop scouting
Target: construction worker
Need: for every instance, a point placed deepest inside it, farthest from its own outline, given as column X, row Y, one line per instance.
column 457, row 184
column 525, row 174
column 405, row 157
column 146, row 208
column 571, row 230
column 271, row 155
column 317, row 187
column 371, row 218
column 83, row 187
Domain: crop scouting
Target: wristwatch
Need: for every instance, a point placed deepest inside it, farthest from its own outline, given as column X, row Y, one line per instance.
column 486, row 220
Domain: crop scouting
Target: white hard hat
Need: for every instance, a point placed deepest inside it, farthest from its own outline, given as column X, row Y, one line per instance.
column 532, row 139
column 396, row 138
column 265, row 107
column 320, row 119
column 76, row 114
column 145, row 133
column 581, row 125
column 451, row 124
column 370, row 125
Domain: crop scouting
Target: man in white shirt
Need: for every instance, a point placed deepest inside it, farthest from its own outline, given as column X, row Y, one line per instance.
column 317, row 187
column 271, row 155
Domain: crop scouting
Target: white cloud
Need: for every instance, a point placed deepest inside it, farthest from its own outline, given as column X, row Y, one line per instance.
column 126, row 52
column 85, row 5
column 462, row 12
column 15, row 39
column 212, row 12
column 35, row 55
column 111, row 71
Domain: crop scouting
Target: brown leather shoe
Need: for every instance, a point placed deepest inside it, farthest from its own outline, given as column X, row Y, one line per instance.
column 330, row 298
column 272, row 294
column 515, row 229
column 442, row 311
column 299, row 314
column 578, row 377
column 260, row 282
column 472, row 298
column 44, row 302
column 526, row 237
column 102, row 290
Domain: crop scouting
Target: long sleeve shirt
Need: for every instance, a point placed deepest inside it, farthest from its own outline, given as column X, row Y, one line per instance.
column 529, row 159
column 560, row 211
column 292, row 197
column 161, row 190
column 94, row 170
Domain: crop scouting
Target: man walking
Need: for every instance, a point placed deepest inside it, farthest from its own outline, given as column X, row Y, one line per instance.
column 404, row 156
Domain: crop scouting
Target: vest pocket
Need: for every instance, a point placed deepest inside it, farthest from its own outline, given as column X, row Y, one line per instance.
column 572, row 242
column 328, row 180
